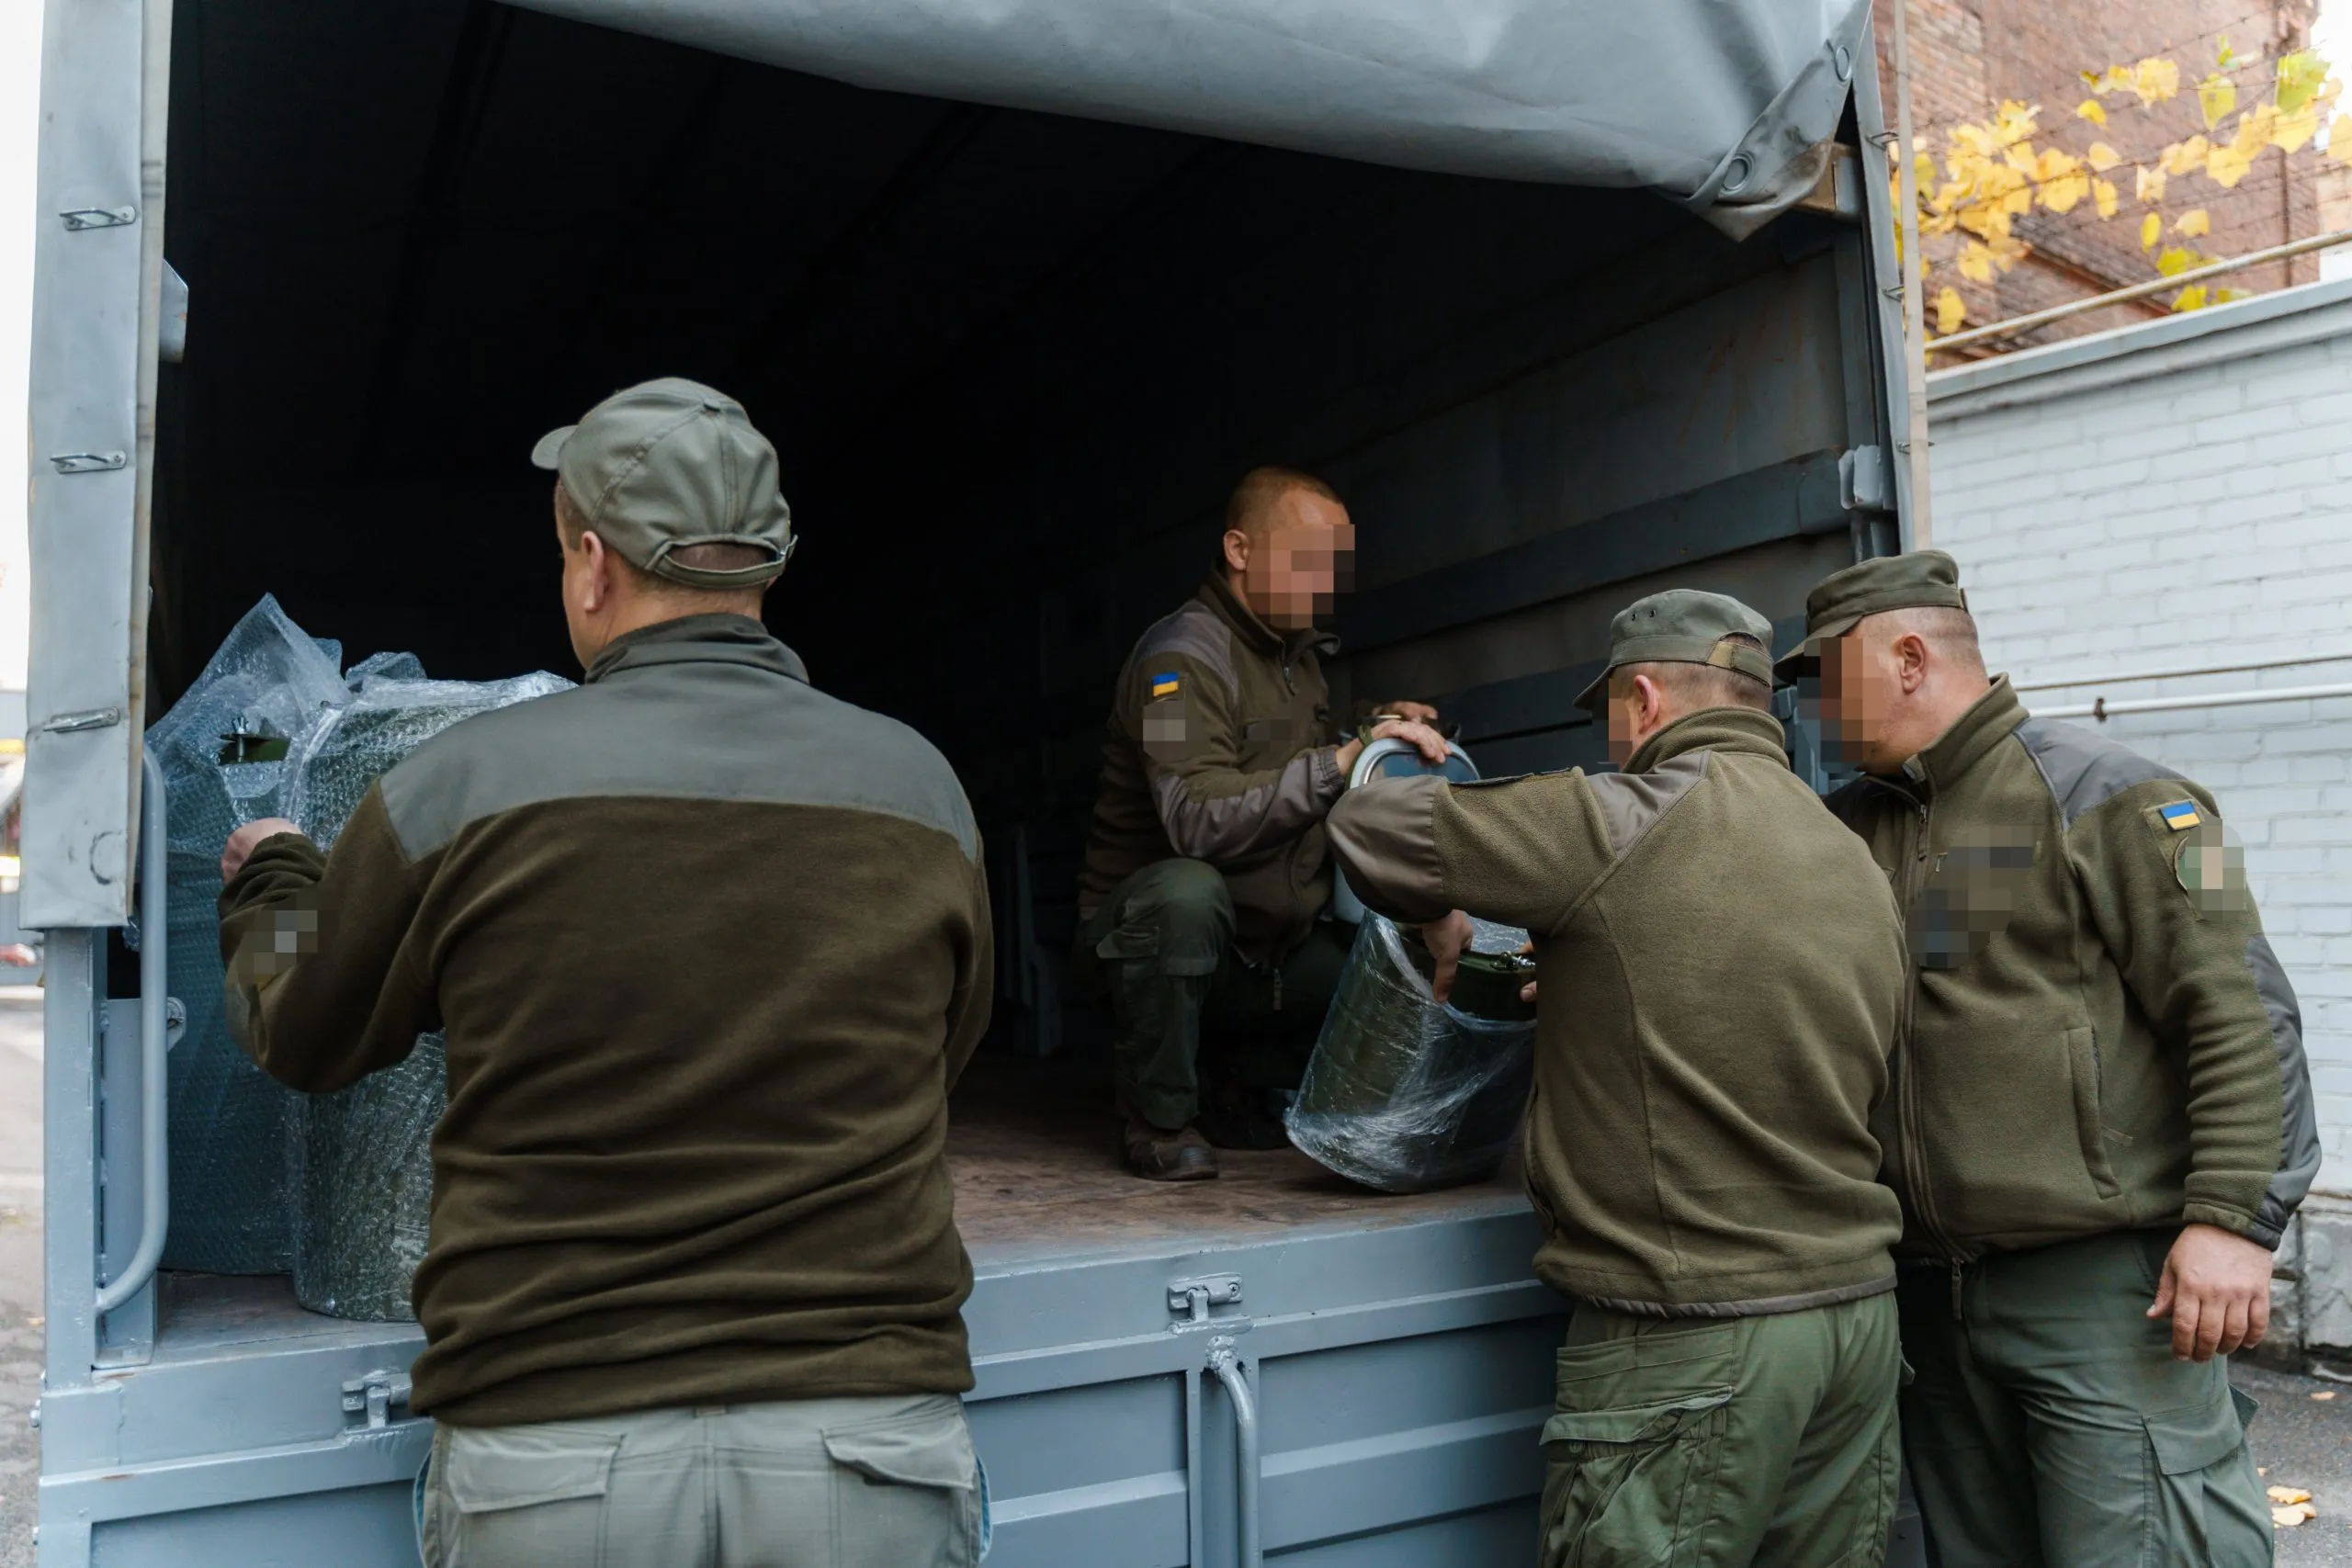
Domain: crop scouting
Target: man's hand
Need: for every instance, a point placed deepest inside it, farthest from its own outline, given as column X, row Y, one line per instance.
column 1446, row 939
column 2217, row 1287
column 246, row 840
column 1427, row 741
column 1526, row 992
column 1421, row 712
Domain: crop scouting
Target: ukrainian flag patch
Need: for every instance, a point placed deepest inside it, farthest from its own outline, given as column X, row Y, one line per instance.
column 2180, row 816
column 1165, row 687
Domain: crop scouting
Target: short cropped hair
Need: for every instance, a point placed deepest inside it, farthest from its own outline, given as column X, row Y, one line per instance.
column 1949, row 632
column 1261, row 487
column 1703, row 685
column 704, row 558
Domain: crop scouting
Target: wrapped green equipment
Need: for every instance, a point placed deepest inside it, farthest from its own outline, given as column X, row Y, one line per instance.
column 1406, row 1093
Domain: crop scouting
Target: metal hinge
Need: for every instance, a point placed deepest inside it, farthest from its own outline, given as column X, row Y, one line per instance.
column 77, row 722
column 1190, row 1300
column 1861, row 480
column 374, row 1396
column 83, row 218
column 89, row 462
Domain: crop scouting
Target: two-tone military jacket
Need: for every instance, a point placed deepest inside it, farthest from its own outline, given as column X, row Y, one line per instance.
column 709, row 949
column 1722, row 969
column 2098, row 1035
column 1220, row 747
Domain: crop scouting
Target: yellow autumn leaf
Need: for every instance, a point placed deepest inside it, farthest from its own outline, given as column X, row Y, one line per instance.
column 1950, row 312
column 2013, row 122
column 2150, row 186
column 2155, row 80
column 2021, row 157
column 2292, row 131
column 2224, row 296
column 2193, row 222
column 2017, row 203
column 2065, row 193
column 1977, row 261
column 2339, row 144
column 2102, row 157
column 2185, row 157
column 2226, row 165
column 2104, row 192
column 2091, row 109
column 2173, row 260
column 2299, row 76
column 2290, row 1494
column 2217, row 95
column 2294, row 1516
column 2150, row 228
column 2189, row 298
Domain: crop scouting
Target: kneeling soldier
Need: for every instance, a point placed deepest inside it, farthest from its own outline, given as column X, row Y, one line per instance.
column 1721, row 974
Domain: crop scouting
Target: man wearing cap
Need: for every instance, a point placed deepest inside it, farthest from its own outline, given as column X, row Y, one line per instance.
column 709, row 948
column 1721, row 970
column 1202, row 898
column 2100, row 1120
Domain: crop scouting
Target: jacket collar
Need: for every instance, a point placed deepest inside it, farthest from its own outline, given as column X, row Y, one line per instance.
column 721, row 639
column 1284, row 645
column 1713, row 729
column 1990, row 720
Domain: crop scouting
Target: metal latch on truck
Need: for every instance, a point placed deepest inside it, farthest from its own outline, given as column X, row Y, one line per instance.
column 374, row 1396
column 1190, row 1300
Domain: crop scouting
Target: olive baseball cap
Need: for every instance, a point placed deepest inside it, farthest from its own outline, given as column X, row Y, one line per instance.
column 1684, row 625
column 671, row 463
column 1922, row 579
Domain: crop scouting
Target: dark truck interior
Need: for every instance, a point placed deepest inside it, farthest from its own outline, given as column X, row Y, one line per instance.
column 1012, row 361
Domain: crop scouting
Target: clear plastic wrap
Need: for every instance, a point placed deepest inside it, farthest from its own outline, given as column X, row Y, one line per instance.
column 361, row 1169
column 265, row 687
column 1408, row 1094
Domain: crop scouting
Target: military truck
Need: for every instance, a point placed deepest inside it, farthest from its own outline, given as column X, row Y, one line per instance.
column 1571, row 302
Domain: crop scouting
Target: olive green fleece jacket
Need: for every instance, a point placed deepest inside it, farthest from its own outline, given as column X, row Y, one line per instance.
column 709, row 949
column 2099, row 1035
column 1220, row 747
column 1721, row 972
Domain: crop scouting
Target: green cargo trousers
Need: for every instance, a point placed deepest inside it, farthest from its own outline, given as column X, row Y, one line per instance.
column 879, row 1482
column 1719, row 1442
column 2050, row 1427
column 1160, row 951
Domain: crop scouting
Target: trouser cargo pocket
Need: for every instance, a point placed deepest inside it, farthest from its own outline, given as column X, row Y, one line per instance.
column 1628, row 1483
column 907, row 1492
column 2204, row 1508
column 518, row 1495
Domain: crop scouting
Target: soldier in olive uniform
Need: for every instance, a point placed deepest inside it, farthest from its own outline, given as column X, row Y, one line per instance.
column 2100, row 1117
column 1201, row 903
column 1721, row 969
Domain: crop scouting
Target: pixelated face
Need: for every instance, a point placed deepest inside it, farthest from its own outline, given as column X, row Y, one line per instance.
column 1301, row 563
column 1856, row 698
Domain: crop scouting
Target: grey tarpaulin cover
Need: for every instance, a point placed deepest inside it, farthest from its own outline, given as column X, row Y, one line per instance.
column 1405, row 1093
column 1722, row 105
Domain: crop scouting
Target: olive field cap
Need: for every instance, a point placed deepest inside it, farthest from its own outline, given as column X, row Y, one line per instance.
column 1920, row 580
column 666, row 464
column 1684, row 625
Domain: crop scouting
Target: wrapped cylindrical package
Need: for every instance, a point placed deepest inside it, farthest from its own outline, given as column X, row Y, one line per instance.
column 1406, row 1093
column 362, row 1168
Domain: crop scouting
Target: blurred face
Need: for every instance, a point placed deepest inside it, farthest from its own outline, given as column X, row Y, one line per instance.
column 1868, row 704
column 1290, row 568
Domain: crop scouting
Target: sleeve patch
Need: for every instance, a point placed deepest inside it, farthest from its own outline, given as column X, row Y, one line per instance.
column 2180, row 816
column 1166, row 685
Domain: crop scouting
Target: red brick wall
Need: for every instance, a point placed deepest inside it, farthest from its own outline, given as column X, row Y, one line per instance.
column 1969, row 55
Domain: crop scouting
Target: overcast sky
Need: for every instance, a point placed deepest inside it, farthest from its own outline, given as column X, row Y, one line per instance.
column 19, row 105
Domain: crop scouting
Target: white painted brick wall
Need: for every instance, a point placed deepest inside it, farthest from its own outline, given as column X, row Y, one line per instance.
column 2199, row 516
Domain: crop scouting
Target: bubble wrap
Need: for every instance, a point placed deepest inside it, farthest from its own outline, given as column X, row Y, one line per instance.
column 228, row 1121
column 360, row 1161
column 1405, row 1093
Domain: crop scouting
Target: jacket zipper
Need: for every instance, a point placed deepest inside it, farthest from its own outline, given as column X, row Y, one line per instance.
column 1910, row 1114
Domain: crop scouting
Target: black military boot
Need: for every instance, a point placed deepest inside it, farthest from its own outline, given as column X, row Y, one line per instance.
column 1158, row 1155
